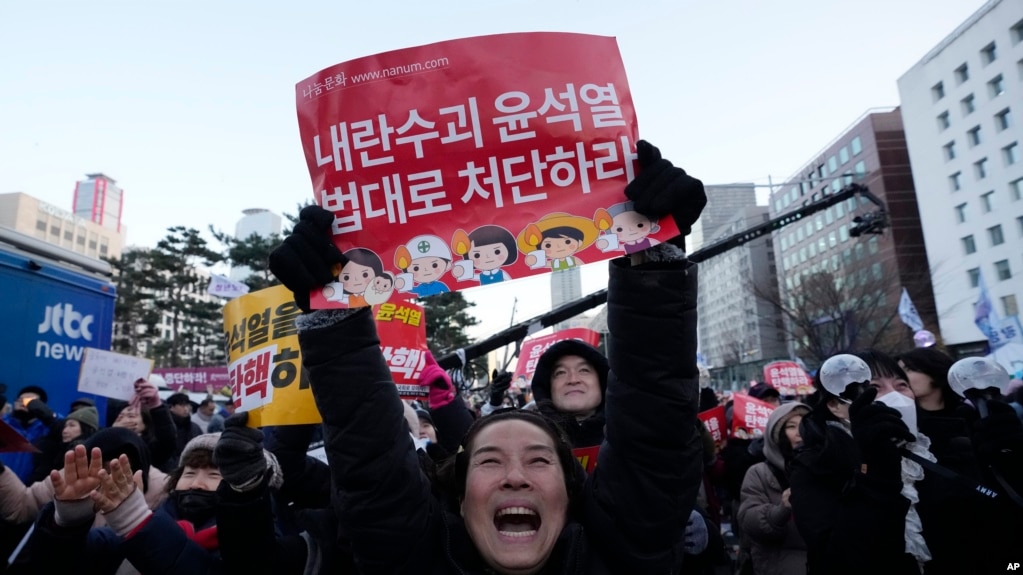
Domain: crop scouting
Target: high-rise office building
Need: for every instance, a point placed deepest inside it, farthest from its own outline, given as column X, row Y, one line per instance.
column 825, row 256
column 962, row 104
column 99, row 200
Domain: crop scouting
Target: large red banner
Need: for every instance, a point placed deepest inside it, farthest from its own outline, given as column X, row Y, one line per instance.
column 788, row 378
column 532, row 349
column 454, row 164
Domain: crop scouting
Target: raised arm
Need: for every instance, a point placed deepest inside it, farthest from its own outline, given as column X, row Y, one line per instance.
column 648, row 472
column 380, row 495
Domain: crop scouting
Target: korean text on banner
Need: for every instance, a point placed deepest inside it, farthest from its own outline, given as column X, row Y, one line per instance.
column 532, row 349
column 788, row 378
column 196, row 379
column 714, row 420
column 450, row 166
column 111, row 374
column 587, row 457
column 264, row 362
column 402, row 330
column 749, row 416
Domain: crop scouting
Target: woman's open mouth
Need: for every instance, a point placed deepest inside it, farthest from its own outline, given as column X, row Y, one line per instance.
column 517, row 522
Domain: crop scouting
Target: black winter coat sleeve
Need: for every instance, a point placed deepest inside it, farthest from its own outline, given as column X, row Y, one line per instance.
column 644, row 487
column 245, row 523
column 306, row 479
column 381, row 497
column 163, row 446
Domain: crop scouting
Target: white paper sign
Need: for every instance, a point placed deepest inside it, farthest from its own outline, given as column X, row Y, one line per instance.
column 112, row 374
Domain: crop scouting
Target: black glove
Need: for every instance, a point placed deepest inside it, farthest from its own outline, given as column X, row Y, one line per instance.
column 307, row 258
column 239, row 452
column 661, row 189
column 877, row 430
column 41, row 411
column 499, row 385
column 998, row 433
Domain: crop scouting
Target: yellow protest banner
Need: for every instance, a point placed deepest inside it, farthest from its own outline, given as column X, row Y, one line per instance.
column 264, row 359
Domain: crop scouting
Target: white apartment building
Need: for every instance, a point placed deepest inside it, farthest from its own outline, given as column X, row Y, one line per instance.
column 257, row 221
column 961, row 107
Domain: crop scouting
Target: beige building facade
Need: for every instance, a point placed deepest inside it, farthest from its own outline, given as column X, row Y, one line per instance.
column 44, row 221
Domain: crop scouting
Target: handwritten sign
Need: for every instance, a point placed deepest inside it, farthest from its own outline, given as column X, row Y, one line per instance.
column 448, row 167
column 111, row 374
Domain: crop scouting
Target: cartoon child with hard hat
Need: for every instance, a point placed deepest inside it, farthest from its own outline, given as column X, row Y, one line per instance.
column 554, row 240
column 424, row 260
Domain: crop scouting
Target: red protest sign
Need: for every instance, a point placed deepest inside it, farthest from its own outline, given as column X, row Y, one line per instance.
column 402, row 330
column 448, row 166
column 13, row 442
column 532, row 349
column 788, row 378
column 714, row 420
column 587, row 457
column 749, row 416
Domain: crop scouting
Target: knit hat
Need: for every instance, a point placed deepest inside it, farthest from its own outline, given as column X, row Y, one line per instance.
column 114, row 441
column 86, row 416
column 36, row 390
column 208, row 442
column 178, row 399
column 425, row 416
column 542, row 376
column 82, row 402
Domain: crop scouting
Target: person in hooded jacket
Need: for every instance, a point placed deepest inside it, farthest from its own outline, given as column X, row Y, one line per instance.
column 765, row 511
column 521, row 506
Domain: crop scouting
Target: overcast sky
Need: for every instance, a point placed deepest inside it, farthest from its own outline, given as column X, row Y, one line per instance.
column 190, row 104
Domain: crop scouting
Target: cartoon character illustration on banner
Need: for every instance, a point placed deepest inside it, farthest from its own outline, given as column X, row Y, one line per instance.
column 623, row 228
column 555, row 239
column 423, row 260
column 362, row 282
column 484, row 252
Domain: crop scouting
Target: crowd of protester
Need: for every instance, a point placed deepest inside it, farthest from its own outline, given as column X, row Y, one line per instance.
column 837, row 483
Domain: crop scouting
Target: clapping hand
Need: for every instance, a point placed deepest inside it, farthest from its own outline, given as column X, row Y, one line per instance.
column 116, row 485
column 81, row 475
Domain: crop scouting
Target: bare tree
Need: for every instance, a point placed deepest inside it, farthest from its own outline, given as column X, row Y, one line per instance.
column 840, row 311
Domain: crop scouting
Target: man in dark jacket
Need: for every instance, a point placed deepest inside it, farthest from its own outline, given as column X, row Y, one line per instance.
column 181, row 412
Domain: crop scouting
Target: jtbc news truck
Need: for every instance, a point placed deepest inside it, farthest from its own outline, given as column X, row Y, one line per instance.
column 55, row 304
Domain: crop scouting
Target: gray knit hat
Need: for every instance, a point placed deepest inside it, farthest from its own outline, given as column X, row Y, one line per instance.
column 208, row 442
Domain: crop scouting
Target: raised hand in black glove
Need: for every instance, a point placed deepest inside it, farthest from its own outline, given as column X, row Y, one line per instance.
column 239, row 453
column 662, row 189
column 877, row 430
column 41, row 411
column 499, row 385
column 997, row 434
column 308, row 258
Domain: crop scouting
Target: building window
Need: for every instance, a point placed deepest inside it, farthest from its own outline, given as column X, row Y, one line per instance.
column 1017, row 32
column 962, row 73
column 857, row 145
column 937, row 92
column 1011, row 154
column 961, row 213
column 949, row 150
column 843, row 233
column 1016, row 189
column 1019, row 221
column 836, row 185
column 973, row 136
column 980, row 168
column 875, row 270
column 969, row 246
column 1002, row 270
column 55, row 231
column 80, row 240
column 41, row 225
column 872, row 244
column 1009, row 305
column 987, row 202
column 995, row 233
column 954, row 181
column 943, row 121
column 843, row 155
column 968, row 105
column 1003, row 120
column 861, row 168
column 68, row 235
column 988, row 54
column 996, row 86
column 832, row 165
column 974, row 276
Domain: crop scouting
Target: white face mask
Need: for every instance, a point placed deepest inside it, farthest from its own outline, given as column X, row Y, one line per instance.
column 904, row 405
